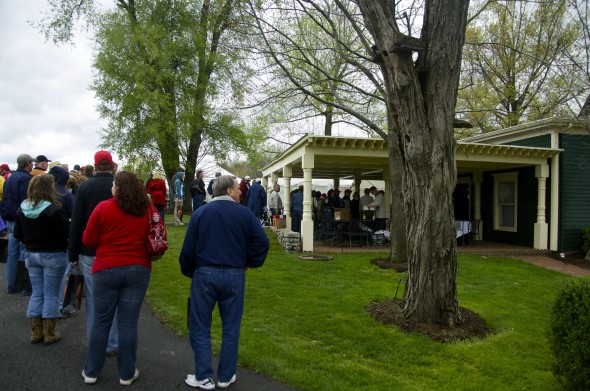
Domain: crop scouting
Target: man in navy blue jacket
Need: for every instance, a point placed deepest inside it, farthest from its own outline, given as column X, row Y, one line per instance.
column 256, row 198
column 15, row 192
column 222, row 240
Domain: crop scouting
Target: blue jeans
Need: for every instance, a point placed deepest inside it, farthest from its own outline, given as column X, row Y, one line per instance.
column 15, row 252
column 46, row 271
column 161, row 210
column 121, row 289
column 87, row 261
column 224, row 286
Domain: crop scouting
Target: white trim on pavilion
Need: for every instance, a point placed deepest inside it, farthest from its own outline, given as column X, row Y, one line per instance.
column 367, row 158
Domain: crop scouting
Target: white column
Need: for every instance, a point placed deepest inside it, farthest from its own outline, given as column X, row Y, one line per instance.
column 541, row 228
column 265, row 187
column 477, row 180
column 287, row 173
column 307, row 163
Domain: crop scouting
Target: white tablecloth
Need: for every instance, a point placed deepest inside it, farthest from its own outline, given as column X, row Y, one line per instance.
column 463, row 228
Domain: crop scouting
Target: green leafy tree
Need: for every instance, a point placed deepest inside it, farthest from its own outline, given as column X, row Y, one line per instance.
column 164, row 73
column 515, row 65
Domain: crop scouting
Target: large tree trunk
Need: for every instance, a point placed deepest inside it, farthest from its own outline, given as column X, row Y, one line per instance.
column 399, row 242
column 421, row 102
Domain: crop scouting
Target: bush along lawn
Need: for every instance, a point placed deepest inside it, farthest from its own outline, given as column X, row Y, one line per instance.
column 305, row 323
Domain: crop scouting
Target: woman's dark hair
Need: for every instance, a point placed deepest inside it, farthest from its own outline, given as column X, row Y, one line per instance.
column 130, row 193
column 42, row 188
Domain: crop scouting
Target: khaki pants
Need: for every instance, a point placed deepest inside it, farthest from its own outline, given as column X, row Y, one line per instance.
column 177, row 207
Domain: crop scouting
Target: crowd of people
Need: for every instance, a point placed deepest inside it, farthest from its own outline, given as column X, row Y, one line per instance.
column 371, row 206
column 97, row 218
column 93, row 216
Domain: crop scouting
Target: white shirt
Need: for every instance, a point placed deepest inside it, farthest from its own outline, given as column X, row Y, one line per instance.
column 366, row 200
column 379, row 205
column 274, row 201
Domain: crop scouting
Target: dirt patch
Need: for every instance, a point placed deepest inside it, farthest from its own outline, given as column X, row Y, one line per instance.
column 575, row 258
column 391, row 312
column 385, row 263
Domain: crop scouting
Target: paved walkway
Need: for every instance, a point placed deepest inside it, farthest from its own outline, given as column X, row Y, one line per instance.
column 555, row 265
column 163, row 358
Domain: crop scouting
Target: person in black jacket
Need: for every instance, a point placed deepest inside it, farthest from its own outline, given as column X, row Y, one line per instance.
column 15, row 192
column 211, row 182
column 42, row 225
column 198, row 190
column 89, row 194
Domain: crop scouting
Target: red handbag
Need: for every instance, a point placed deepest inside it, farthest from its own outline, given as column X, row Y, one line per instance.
column 157, row 240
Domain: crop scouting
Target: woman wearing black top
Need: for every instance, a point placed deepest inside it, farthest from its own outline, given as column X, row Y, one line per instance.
column 42, row 225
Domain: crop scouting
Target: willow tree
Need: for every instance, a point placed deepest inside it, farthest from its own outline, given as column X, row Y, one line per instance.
column 421, row 78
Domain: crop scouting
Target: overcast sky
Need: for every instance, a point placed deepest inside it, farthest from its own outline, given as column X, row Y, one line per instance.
column 46, row 107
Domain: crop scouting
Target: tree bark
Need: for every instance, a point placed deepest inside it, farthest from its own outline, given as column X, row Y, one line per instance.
column 421, row 103
column 399, row 244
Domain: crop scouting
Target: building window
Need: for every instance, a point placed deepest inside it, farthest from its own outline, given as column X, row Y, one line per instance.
column 505, row 201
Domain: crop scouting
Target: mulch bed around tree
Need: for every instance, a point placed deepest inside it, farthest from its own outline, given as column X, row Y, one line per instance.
column 576, row 258
column 385, row 263
column 392, row 312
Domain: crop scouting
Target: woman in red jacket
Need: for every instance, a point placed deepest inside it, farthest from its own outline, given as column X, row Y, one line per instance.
column 118, row 230
column 156, row 188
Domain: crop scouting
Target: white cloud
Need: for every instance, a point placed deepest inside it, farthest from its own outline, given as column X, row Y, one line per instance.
column 45, row 104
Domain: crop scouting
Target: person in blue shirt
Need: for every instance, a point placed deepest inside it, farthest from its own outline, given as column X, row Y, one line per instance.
column 222, row 241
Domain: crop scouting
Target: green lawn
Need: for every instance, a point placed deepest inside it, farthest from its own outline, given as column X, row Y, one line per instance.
column 305, row 324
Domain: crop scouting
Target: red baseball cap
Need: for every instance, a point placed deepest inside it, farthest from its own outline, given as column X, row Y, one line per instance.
column 4, row 167
column 101, row 156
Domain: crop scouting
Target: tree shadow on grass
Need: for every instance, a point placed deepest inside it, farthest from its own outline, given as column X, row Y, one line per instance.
column 392, row 312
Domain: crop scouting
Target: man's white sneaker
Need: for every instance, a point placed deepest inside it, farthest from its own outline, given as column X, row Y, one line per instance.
column 88, row 379
column 225, row 384
column 128, row 382
column 205, row 384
